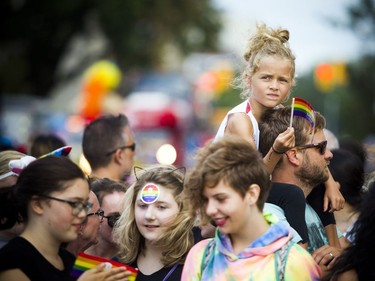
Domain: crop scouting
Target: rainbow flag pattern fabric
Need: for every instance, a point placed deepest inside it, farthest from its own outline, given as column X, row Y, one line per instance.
column 302, row 108
column 85, row 262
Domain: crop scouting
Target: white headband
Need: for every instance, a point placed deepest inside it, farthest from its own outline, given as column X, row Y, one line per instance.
column 16, row 166
column 3, row 176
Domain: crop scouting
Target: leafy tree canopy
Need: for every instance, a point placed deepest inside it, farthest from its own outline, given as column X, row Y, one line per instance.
column 362, row 21
column 35, row 34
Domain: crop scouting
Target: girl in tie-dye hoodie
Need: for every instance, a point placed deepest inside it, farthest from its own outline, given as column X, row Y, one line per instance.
column 229, row 185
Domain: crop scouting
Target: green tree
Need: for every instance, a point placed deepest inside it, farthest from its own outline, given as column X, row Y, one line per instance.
column 350, row 109
column 360, row 105
column 362, row 21
column 140, row 29
column 35, row 34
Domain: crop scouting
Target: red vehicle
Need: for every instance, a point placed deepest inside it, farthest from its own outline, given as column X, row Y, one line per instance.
column 161, row 120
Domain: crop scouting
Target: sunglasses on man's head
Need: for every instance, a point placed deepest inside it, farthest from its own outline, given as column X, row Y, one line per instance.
column 112, row 219
column 322, row 146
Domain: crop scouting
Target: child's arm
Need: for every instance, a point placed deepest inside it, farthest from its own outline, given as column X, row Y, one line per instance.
column 239, row 124
column 333, row 198
column 282, row 143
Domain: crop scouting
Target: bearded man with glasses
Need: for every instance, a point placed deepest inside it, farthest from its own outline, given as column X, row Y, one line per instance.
column 300, row 170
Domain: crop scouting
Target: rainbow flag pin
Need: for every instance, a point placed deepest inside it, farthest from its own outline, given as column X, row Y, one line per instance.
column 85, row 262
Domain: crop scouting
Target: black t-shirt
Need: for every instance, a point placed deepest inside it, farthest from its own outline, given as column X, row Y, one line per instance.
column 292, row 200
column 20, row 253
column 160, row 275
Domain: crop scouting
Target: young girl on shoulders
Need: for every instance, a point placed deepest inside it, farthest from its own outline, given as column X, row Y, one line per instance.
column 266, row 82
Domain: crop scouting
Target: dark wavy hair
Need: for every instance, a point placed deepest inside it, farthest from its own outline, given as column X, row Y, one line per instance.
column 41, row 177
column 359, row 257
column 348, row 169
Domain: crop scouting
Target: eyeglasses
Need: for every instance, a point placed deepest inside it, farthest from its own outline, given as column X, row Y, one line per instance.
column 112, row 219
column 77, row 206
column 99, row 213
column 322, row 146
column 131, row 147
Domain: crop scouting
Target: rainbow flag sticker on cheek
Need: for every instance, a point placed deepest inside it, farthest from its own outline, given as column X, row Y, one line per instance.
column 150, row 193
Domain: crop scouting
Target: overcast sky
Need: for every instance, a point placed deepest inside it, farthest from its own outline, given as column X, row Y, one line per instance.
column 312, row 38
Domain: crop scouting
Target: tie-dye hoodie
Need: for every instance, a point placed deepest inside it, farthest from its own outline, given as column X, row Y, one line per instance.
column 256, row 262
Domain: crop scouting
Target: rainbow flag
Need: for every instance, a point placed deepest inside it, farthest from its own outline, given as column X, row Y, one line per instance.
column 85, row 262
column 302, row 108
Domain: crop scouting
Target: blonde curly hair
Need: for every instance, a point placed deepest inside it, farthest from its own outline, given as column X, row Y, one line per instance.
column 265, row 42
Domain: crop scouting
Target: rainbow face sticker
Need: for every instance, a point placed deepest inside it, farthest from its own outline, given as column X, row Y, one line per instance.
column 150, row 193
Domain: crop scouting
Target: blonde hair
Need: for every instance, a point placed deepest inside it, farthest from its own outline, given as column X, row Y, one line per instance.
column 265, row 42
column 5, row 157
column 179, row 233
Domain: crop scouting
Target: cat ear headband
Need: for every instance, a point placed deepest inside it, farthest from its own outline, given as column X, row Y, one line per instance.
column 138, row 171
column 150, row 192
column 16, row 166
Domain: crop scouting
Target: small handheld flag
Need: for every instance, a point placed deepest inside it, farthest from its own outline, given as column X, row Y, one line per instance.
column 85, row 262
column 302, row 108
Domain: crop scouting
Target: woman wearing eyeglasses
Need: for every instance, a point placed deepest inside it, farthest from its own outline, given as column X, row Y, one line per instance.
column 154, row 231
column 51, row 195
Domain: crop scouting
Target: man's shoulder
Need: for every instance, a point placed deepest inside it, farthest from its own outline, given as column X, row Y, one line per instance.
column 274, row 209
column 283, row 184
column 287, row 190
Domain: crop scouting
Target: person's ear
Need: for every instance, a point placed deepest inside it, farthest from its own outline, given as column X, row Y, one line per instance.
column 248, row 81
column 252, row 194
column 293, row 156
column 37, row 205
column 118, row 155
